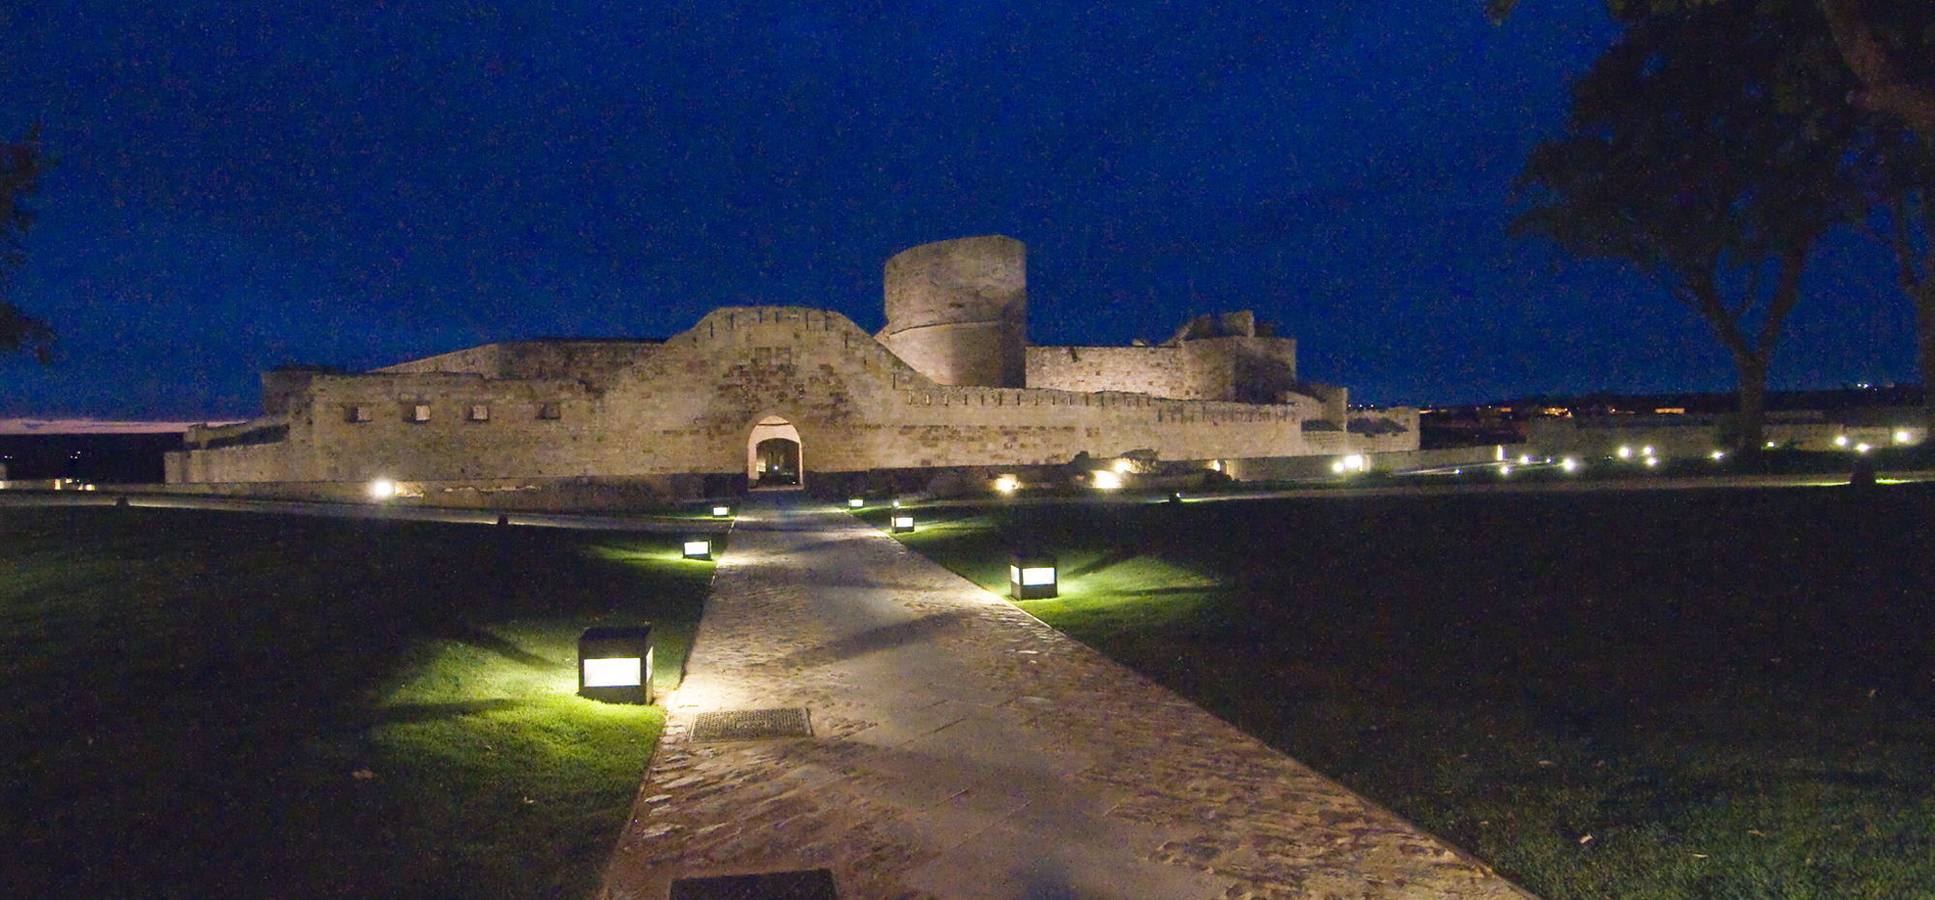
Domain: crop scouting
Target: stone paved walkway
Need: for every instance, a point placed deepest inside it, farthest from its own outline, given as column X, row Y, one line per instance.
column 963, row 749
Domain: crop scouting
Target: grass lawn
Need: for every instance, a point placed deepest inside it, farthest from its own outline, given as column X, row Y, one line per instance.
column 1716, row 693
column 215, row 704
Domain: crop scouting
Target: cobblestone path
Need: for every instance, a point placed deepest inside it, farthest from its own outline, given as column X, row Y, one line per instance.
column 960, row 748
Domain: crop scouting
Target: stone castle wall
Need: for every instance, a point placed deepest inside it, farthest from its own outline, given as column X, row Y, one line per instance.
column 957, row 311
column 689, row 405
column 1240, row 369
column 580, row 360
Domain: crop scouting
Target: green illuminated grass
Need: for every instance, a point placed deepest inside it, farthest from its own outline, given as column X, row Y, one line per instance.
column 1725, row 693
column 189, row 699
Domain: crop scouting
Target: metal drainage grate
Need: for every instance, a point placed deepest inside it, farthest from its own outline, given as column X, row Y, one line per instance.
column 751, row 725
column 805, row 884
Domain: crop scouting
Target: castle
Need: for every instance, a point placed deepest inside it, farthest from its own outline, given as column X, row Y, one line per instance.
column 758, row 395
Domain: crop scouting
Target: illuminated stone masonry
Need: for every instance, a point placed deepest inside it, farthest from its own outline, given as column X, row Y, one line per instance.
column 962, row 748
column 751, row 393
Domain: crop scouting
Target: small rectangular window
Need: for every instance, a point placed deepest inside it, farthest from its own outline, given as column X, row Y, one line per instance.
column 419, row 412
column 550, row 410
column 356, row 413
column 479, row 412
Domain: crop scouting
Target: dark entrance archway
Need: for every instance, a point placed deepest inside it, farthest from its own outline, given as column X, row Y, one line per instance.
column 773, row 454
column 778, row 461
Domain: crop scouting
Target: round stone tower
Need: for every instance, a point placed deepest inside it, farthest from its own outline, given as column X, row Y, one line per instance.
column 957, row 311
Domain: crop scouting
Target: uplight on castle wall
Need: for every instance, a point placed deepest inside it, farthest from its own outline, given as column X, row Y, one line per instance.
column 1105, row 480
column 1031, row 576
column 382, row 489
column 615, row 663
column 1007, row 484
column 903, row 523
column 698, row 548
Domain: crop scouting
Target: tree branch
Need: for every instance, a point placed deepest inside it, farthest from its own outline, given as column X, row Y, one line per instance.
column 1787, row 294
column 1907, row 272
column 1887, row 89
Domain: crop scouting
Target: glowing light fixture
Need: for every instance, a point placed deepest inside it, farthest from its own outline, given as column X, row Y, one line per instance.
column 1652, row 462
column 1031, row 576
column 1007, row 484
column 903, row 523
column 1625, row 451
column 1717, row 455
column 1505, row 471
column 721, row 511
column 1902, row 436
column 697, row 548
column 1105, row 480
column 1646, row 450
column 856, row 502
column 1862, row 448
column 1569, row 464
column 1122, row 466
column 1525, row 459
column 1769, row 445
column 615, row 663
column 382, row 489
column 1840, row 440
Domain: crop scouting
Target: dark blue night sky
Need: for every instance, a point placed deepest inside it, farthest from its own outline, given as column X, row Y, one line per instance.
column 241, row 187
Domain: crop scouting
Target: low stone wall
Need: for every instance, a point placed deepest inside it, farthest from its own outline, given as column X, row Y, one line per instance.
column 1298, row 467
column 1700, row 435
column 514, row 494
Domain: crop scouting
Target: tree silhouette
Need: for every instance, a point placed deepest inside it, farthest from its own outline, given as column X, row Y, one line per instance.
column 21, row 165
column 1698, row 151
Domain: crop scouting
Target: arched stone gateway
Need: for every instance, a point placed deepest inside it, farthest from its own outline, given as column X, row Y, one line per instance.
column 774, row 457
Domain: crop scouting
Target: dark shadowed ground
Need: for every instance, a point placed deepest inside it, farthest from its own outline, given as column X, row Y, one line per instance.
column 1699, row 693
column 216, row 704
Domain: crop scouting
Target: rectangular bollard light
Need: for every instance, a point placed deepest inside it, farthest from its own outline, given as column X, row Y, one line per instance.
column 722, row 511
column 1031, row 576
column 698, row 548
column 615, row 663
column 856, row 502
column 903, row 523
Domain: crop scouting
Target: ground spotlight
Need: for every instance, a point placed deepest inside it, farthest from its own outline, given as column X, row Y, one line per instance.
column 1031, row 576
column 615, row 663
